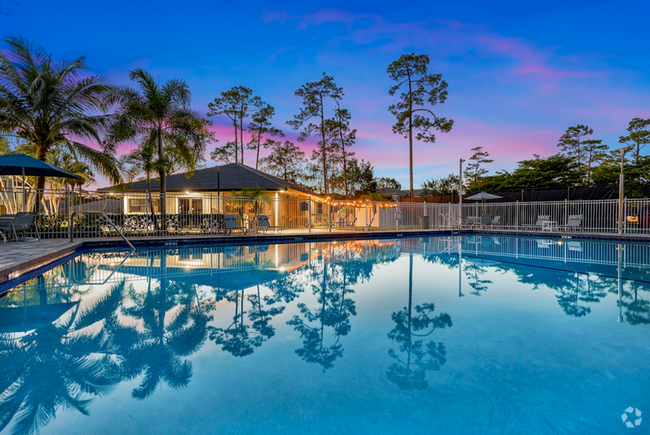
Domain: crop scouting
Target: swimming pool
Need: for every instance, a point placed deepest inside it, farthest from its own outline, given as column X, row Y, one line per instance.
column 479, row 334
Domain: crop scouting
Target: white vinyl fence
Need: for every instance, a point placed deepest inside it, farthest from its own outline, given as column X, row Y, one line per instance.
column 86, row 214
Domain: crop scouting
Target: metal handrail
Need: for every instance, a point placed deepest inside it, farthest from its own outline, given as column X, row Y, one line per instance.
column 451, row 223
column 105, row 217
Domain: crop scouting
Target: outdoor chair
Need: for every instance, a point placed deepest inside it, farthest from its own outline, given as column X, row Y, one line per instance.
column 264, row 225
column 21, row 222
column 231, row 224
column 496, row 221
column 573, row 222
column 486, row 220
column 545, row 223
column 472, row 221
column 344, row 223
column 541, row 219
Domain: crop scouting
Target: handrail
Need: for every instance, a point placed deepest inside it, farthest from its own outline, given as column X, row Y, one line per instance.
column 105, row 217
column 448, row 219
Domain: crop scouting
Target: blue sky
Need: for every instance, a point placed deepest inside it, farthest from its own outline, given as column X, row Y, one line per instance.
column 519, row 73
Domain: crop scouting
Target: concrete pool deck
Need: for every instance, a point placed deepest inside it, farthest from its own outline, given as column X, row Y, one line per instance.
column 20, row 258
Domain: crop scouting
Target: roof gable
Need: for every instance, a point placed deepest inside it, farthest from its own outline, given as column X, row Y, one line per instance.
column 233, row 177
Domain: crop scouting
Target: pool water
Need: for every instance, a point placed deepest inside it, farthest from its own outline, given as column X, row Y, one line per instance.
column 480, row 334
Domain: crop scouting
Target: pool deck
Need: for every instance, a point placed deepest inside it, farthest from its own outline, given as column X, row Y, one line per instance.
column 20, row 258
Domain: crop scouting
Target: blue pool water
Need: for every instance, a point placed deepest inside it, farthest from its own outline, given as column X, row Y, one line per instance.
column 484, row 334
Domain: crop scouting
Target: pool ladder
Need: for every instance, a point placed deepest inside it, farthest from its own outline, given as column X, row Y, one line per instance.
column 454, row 231
column 117, row 230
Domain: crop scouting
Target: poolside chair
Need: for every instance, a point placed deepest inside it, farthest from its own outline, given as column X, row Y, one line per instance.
column 541, row 219
column 486, row 220
column 19, row 223
column 573, row 222
column 264, row 225
column 473, row 220
column 231, row 224
column 496, row 221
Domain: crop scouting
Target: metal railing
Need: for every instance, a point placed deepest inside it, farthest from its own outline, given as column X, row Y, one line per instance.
column 81, row 214
column 108, row 220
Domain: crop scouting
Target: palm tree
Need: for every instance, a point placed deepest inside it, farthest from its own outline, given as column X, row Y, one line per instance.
column 141, row 161
column 159, row 117
column 49, row 104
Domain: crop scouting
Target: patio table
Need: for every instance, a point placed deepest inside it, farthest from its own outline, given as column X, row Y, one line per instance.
column 549, row 225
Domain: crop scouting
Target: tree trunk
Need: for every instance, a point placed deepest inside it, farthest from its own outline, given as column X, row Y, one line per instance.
column 234, row 123
column 345, row 168
column 150, row 199
column 259, row 145
column 324, row 144
column 163, row 183
column 410, row 137
column 40, row 183
column 241, row 135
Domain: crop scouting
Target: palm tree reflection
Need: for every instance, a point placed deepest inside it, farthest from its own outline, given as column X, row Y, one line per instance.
column 64, row 363
column 172, row 325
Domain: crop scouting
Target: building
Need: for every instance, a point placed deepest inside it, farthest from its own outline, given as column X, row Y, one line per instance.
column 217, row 190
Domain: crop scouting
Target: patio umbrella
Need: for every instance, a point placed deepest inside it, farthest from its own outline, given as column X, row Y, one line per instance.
column 482, row 196
column 21, row 164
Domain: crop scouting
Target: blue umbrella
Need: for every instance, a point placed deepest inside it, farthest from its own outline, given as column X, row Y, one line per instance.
column 21, row 164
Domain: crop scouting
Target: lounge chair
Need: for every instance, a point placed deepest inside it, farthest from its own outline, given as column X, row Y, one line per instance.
column 573, row 222
column 541, row 219
column 486, row 220
column 473, row 220
column 496, row 221
column 264, row 225
column 19, row 223
column 231, row 224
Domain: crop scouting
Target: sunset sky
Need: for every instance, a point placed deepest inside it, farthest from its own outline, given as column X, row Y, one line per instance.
column 519, row 72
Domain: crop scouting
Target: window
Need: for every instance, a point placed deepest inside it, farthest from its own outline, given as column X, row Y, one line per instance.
column 139, row 205
column 190, row 206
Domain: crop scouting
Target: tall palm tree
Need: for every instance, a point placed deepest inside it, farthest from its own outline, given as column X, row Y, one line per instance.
column 48, row 104
column 159, row 116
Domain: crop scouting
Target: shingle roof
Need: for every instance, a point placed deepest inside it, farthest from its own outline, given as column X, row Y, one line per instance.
column 234, row 177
